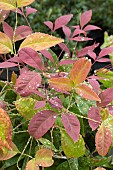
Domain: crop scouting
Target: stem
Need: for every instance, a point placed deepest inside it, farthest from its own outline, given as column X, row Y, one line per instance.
column 15, row 32
column 22, row 153
column 20, row 124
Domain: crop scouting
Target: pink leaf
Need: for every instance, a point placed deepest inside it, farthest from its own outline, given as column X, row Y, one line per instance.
column 22, row 32
column 49, row 24
column 39, row 93
column 15, row 59
column 92, row 55
column 94, row 83
column 94, row 118
column 106, row 97
column 55, row 102
column 7, row 64
column 30, row 10
column 40, row 104
column 41, row 123
column 31, row 57
column 66, row 62
column 77, row 32
column 72, row 126
column 103, row 60
column 81, row 38
column 85, row 50
column 27, row 82
column 105, row 51
column 76, row 26
column 85, row 18
column 61, row 21
column 91, row 27
column 67, row 31
column 18, row 11
column 47, row 54
column 64, row 48
column 8, row 30
column 110, row 108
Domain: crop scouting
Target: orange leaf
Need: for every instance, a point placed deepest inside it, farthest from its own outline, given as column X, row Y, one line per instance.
column 103, row 140
column 8, row 153
column 44, row 157
column 5, row 44
column 100, row 168
column 80, row 70
column 86, row 92
column 5, row 130
column 40, row 41
column 63, row 84
column 32, row 165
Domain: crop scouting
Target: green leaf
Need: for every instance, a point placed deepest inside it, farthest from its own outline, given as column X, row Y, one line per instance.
column 40, row 41
column 7, row 4
column 25, row 107
column 47, row 144
column 5, row 44
column 71, row 149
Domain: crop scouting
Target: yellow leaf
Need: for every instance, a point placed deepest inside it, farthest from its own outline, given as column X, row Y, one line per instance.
column 40, row 41
column 5, row 44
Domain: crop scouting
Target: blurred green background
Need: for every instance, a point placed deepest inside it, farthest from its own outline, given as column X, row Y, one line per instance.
column 51, row 9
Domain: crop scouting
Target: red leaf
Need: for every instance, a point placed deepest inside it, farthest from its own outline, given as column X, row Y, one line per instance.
column 81, row 38
column 95, row 84
column 103, row 140
column 105, row 51
column 49, row 24
column 47, row 54
column 66, row 62
column 27, row 82
column 61, row 21
column 61, row 83
column 77, row 32
column 40, row 104
column 86, row 92
column 91, row 27
column 39, row 93
column 94, row 118
column 80, row 70
column 30, row 10
column 72, row 126
column 85, row 18
column 8, row 30
column 85, row 50
column 55, row 103
column 106, row 97
column 31, row 57
column 41, row 123
column 64, row 48
column 22, row 32
column 67, row 31
column 92, row 55
column 7, row 64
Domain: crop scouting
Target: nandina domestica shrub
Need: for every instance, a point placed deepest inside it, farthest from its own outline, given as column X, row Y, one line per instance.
column 50, row 108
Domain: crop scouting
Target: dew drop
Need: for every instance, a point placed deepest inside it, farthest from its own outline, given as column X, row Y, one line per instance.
column 54, row 117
